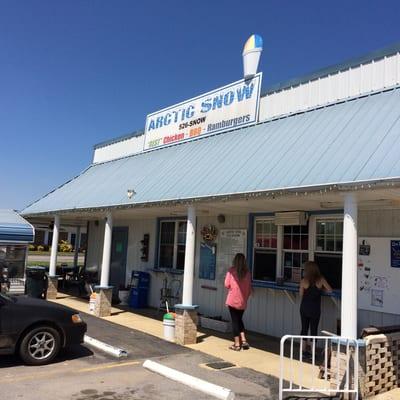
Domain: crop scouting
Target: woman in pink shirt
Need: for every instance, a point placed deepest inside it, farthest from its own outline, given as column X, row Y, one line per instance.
column 238, row 283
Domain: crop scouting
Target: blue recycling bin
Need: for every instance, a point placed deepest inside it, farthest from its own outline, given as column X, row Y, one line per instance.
column 138, row 298
column 140, row 283
column 140, row 279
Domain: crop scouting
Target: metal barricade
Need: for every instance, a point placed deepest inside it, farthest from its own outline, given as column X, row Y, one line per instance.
column 335, row 356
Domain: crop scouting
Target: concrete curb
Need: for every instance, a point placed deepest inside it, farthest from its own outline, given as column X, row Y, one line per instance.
column 107, row 348
column 216, row 391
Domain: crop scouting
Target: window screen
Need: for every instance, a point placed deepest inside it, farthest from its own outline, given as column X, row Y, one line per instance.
column 167, row 235
column 172, row 244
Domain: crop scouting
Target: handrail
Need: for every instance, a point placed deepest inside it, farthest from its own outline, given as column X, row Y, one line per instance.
column 340, row 363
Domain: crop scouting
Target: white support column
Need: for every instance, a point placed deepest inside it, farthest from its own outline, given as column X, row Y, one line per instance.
column 105, row 265
column 54, row 246
column 349, row 268
column 77, row 244
column 188, row 274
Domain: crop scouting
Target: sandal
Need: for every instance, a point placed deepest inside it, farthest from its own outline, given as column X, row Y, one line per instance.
column 235, row 348
column 245, row 346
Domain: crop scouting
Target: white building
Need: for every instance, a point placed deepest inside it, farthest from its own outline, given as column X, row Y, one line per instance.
column 44, row 235
column 318, row 172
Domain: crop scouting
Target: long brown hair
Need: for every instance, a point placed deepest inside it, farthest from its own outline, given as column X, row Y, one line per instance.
column 239, row 262
column 312, row 272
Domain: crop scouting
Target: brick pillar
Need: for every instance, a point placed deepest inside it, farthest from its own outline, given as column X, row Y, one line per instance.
column 379, row 361
column 381, row 365
column 52, row 288
column 102, row 307
column 186, row 326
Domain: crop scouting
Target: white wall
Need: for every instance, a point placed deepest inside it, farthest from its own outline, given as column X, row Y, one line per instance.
column 137, row 228
column 119, row 149
column 355, row 81
column 385, row 223
column 270, row 311
column 212, row 302
column 266, row 307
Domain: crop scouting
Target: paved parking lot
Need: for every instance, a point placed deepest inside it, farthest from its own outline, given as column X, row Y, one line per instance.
column 82, row 373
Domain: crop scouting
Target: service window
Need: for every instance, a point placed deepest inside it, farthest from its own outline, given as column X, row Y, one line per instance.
column 264, row 251
column 172, row 241
column 328, row 250
column 295, row 252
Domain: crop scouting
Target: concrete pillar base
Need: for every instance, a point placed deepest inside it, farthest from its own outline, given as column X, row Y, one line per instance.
column 186, row 326
column 52, row 288
column 102, row 307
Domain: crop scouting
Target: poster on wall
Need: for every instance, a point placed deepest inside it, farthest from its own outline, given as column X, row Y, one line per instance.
column 208, row 262
column 378, row 274
column 226, row 108
column 231, row 241
column 395, row 253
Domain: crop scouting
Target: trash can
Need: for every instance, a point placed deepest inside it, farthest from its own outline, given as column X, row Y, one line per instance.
column 36, row 282
column 140, row 283
column 169, row 327
column 138, row 298
column 140, row 279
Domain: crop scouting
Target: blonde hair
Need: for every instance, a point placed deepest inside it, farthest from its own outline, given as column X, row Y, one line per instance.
column 239, row 262
column 312, row 272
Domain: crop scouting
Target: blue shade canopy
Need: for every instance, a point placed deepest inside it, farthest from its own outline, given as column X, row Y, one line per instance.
column 15, row 229
column 348, row 142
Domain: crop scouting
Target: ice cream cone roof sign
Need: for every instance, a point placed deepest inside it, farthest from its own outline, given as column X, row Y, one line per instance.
column 253, row 42
column 251, row 55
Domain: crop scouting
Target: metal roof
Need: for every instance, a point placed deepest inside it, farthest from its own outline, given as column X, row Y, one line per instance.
column 352, row 141
column 14, row 229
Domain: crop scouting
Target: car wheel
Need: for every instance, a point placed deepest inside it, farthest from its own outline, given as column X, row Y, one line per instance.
column 40, row 345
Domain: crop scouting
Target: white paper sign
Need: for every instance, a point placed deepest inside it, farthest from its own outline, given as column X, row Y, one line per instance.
column 378, row 281
column 232, row 106
column 230, row 242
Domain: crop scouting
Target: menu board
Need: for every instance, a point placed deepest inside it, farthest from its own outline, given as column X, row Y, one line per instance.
column 207, row 261
column 379, row 274
column 230, row 241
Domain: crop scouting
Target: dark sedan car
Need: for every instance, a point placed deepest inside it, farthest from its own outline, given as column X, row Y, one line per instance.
column 36, row 329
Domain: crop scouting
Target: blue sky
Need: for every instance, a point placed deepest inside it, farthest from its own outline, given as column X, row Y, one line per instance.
column 75, row 73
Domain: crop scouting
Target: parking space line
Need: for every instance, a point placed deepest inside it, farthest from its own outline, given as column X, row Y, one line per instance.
column 107, row 366
column 48, row 373
column 27, row 377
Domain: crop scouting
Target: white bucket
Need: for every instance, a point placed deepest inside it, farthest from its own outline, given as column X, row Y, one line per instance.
column 169, row 329
column 124, row 297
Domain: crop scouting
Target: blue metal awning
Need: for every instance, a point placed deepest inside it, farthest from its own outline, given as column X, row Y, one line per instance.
column 349, row 142
column 15, row 229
